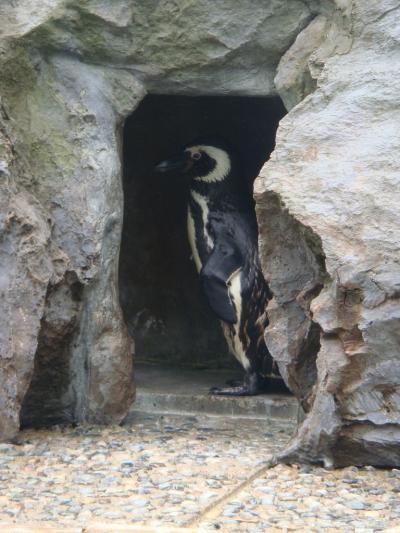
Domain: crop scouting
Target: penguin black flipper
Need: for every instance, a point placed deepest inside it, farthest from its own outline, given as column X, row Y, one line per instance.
column 224, row 260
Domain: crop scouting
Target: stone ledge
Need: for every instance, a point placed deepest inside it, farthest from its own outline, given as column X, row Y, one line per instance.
column 163, row 390
column 260, row 407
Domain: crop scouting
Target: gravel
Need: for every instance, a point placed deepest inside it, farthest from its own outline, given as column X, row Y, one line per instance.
column 175, row 471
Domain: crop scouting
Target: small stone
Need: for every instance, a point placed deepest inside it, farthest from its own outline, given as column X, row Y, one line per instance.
column 86, row 491
column 213, row 484
column 267, row 500
column 287, row 505
column 144, row 490
column 64, row 501
column 84, row 515
column 314, row 506
column 356, row 505
column 177, row 501
column 287, row 497
column 267, row 490
column 99, row 458
column 379, row 506
column 376, row 491
column 127, row 463
column 139, row 502
column 75, row 508
column 113, row 515
column 84, row 479
column 12, row 511
column 304, row 492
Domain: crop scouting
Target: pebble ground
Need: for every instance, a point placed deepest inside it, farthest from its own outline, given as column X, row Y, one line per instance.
column 203, row 473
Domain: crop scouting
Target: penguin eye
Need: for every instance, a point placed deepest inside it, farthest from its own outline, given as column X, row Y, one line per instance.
column 196, row 156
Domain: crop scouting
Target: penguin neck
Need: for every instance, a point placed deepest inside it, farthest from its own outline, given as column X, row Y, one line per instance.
column 226, row 194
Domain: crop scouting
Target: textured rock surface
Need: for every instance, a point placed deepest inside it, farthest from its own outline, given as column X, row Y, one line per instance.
column 336, row 174
column 26, row 269
column 64, row 122
column 71, row 73
column 194, row 47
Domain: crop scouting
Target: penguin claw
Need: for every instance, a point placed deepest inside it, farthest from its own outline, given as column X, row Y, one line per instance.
column 242, row 390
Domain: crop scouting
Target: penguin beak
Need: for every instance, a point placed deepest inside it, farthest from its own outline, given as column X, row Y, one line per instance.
column 181, row 162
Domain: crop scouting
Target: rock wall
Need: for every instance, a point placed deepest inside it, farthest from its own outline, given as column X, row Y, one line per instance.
column 64, row 136
column 71, row 74
column 334, row 176
column 326, row 201
column 26, row 270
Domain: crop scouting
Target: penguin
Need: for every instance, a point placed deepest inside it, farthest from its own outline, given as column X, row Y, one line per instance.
column 223, row 236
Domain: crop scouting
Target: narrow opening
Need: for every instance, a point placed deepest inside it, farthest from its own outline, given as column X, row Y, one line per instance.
column 160, row 296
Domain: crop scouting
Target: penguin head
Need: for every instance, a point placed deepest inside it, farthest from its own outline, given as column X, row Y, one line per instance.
column 207, row 160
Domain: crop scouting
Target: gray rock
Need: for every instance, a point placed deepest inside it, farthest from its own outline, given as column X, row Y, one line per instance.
column 287, row 505
column 144, row 490
column 355, row 504
column 71, row 76
column 138, row 502
column 25, row 272
column 127, row 463
column 81, row 252
column 334, row 321
column 12, row 511
column 379, row 506
column 267, row 500
column 113, row 515
column 164, row 486
column 64, row 501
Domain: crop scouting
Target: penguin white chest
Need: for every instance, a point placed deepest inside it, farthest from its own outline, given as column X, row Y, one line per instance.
column 199, row 228
column 232, row 331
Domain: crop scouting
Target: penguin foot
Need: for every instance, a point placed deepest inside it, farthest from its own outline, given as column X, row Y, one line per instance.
column 250, row 386
column 242, row 390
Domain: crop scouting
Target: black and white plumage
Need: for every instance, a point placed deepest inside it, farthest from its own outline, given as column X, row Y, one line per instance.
column 222, row 231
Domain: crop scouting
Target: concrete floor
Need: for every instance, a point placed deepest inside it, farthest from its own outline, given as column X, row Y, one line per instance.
column 176, row 390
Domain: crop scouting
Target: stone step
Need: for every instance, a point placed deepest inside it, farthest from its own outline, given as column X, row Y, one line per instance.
column 185, row 391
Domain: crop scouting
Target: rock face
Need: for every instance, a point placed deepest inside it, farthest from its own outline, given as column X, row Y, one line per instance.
column 26, row 270
column 72, row 72
column 196, row 48
column 334, row 176
column 67, row 168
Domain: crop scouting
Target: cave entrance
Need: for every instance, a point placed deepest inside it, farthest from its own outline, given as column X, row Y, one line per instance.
column 163, row 307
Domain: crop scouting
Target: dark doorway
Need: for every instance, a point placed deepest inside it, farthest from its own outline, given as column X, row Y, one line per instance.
column 163, row 307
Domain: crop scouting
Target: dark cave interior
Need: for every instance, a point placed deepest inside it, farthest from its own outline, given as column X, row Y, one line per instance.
column 159, row 291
